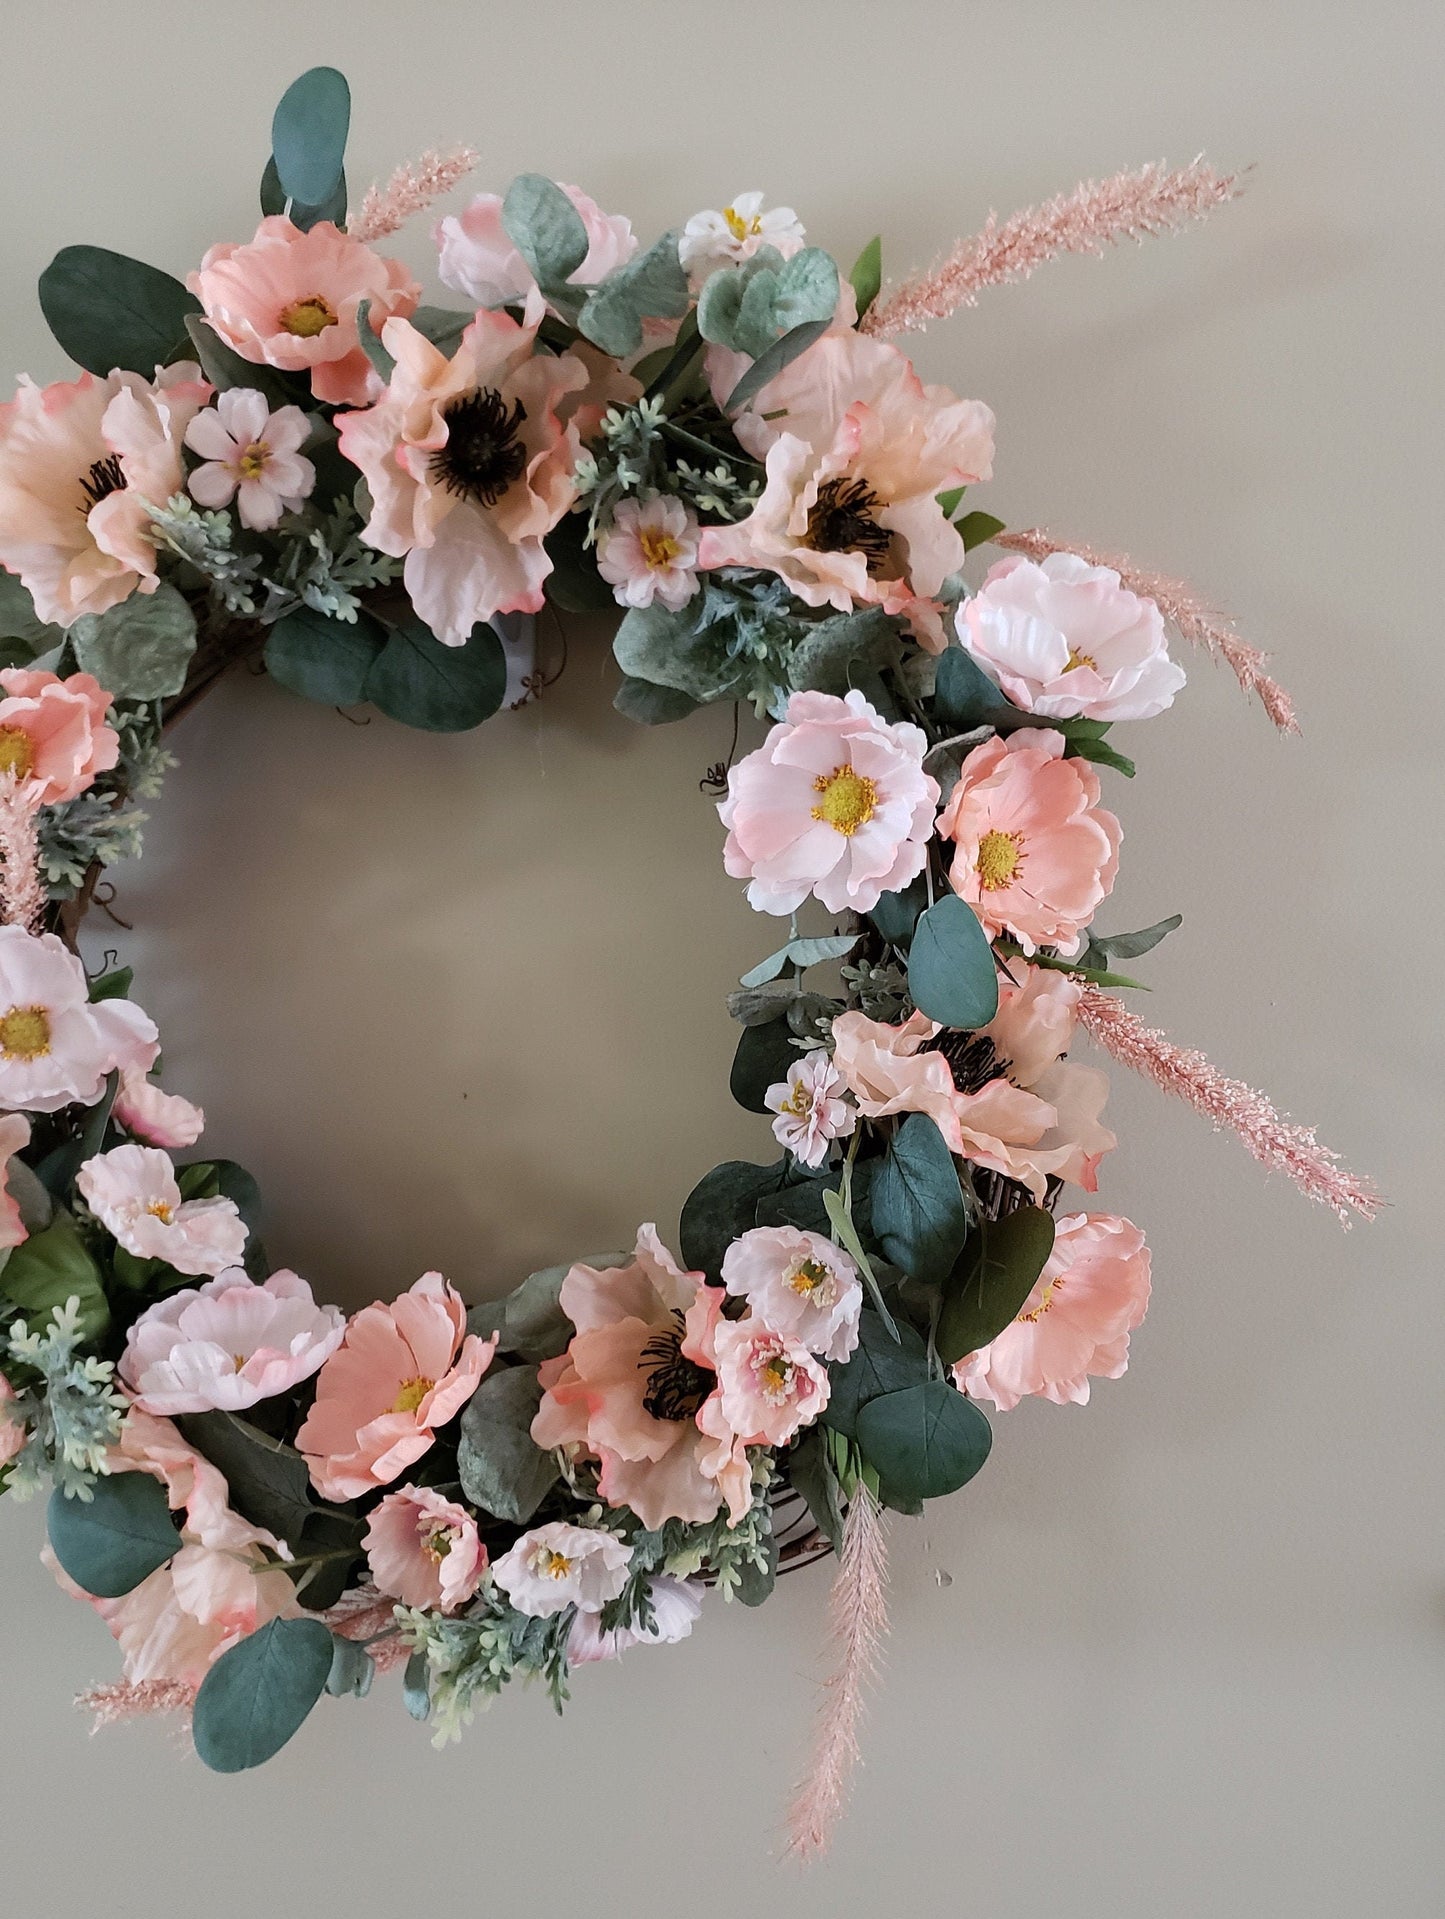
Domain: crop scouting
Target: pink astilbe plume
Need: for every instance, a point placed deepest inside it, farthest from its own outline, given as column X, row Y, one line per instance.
column 135, row 1699
column 1097, row 214
column 411, row 189
column 22, row 891
column 1196, row 620
column 1186, row 1073
column 857, row 1621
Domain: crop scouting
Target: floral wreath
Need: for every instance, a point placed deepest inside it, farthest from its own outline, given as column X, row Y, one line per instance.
column 289, row 458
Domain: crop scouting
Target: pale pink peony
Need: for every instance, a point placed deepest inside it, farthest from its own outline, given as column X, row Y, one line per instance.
column 221, row 1586
column 53, row 735
column 13, row 1430
column 424, row 1550
column 289, row 299
column 812, row 1108
column 835, row 803
column 559, row 1565
column 477, row 258
column 132, row 1191
column 799, row 1284
column 1076, row 1322
column 1065, row 638
column 676, row 1604
column 400, row 1372
column 1035, row 852
column 55, row 1047
column 857, row 451
column 14, row 1138
column 650, row 553
column 227, row 1344
column 470, row 465
column 722, row 237
column 770, row 1385
column 156, row 1118
column 80, row 462
column 633, row 1386
column 251, row 455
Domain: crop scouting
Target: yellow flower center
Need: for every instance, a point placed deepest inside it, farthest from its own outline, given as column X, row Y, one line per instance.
column 413, row 1392
column 659, row 549
column 740, row 228
column 998, row 859
column 554, row 1565
column 309, row 316
column 1045, row 1303
column 775, row 1376
column 238, row 1360
column 158, row 1209
column 17, row 751
column 437, row 1545
column 849, row 800
column 1076, row 660
column 25, row 1033
column 811, row 1279
column 252, row 463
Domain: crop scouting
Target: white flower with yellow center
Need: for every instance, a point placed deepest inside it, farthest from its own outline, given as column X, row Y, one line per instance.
column 797, row 1284
column 721, row 237
column 560, row 1565
column 812, row 1108
column 770, row 1385
column 55, row 1047
column 132, row 1191
column 650, row 553
column 252, row 454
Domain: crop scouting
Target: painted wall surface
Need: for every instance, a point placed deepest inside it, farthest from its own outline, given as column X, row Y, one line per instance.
column 458, row 1001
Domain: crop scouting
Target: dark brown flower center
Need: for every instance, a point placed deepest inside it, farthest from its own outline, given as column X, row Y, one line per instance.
column 103, row 479
column 844, row 520
column 676, row 1385
column 483, row 455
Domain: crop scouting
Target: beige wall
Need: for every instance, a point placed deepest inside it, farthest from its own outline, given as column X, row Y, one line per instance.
column 458, row 1001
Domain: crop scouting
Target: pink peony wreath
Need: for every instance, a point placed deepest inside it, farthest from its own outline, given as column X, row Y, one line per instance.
column 290, row 458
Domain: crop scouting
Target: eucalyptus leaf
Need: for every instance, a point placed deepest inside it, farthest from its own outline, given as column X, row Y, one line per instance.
column 107, row 310
column 878, row 1364
column 997, row 1275
column 140, row 649
column 122, row 1534
column 372, row 344
column 951, row 971
column 924, row 1441
column 258, row 1694
column 1101, row 754
column 324, row 659
column 770, row 363
column 964, row 695
column 20, row 621
column 800, row 953
column 352, row 1669
column 655, row 644
column 308, row 135
column 440, row 689
column 764, row 1056
column 896, row 914
column 652, row 287
column 48, row 1269
column 269, row 1481
column 919, row 1217
column 827, row 656
column 574, row 583
column 651, row 705
column 810, row 1470
column 502, row 1469
column 722, row 1205
column 443, row 326
column 415, row 1686
column 545, row 228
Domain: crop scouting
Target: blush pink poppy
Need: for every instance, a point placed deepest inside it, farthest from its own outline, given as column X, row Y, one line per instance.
column 1075, row 1323
column 14, row 1138
column 13, row 1431
column 1034, row 851
column 154, row 1117
column 769, row 1384
column 291, row 299
column 53, row 734
column 56, row 1048
column 424, row 1550
column 400, row 1372
column 1034, row 1025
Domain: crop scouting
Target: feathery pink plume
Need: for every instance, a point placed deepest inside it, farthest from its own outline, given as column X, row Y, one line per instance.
column 22, row 891
column 130, row 1699
column 1199, row 623
column 366, row 1616
column 1187, row 1074
column 411, row 189
column 857, row 1621
column 1095, row 215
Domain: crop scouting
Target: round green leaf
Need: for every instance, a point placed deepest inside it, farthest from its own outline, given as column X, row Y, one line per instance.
column 763, row 1057
column 442, row 689
column 919, row 1217
column 879, row 1364
column 324, row 659
column 951, row 972
column 108, row 310
column 257, row 1695
column 545, row 228
column 308, row 135
column 111, row 1542
column 723, row 1204
column 139, row 650
column 501, row 1467
column 925, row 1441
column 1003, row 1265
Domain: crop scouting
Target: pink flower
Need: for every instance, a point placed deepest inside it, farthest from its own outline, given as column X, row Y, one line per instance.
column 14, row 1138
column 227, row 1344
column 1035, row 852
column 714, row 239
column 80, row 461
column 479, row 260
column 676, row 1604
column 53, row 735
column 799, row 1284
column 13, row 1431
column 557, row 1565
column 857, row 452
column 55, row 1047
column 1076, row 1322
column 155, row 1118
column 221, row 1586
column 811, row 1108
column 1032, row 1028
column 470, row 466
column 633, row 1385
column 650, row 553
column 1066, row 638
column 132, row 1191
column 424, row 1550
column 771, row 1385
column 253, row 453
column 835, row 803
column 290, row 299
column 399, row 1373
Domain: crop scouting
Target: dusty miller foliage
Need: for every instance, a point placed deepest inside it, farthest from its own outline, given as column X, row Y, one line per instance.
column 71, row 1406
column 470, row 1660
column 631, row 461
column 320, row 562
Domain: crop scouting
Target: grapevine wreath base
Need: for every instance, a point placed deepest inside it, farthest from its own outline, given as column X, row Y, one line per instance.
column 288, row 459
